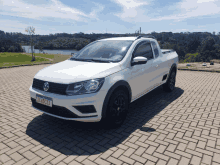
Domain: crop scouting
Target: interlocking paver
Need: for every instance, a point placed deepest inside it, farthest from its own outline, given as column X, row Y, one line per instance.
column 45, row 160
column 126, row 159
column 41, row 153
column 58, row 159
column 138, row 158
column 16, row 156
column 216, row 158
column 114, row 160
column 195, row 160
column 4, row 158
column 185, row 122
column 184, row 161
column 29, row 155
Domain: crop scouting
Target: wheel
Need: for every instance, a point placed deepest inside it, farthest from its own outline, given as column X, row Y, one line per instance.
column 117, row 109
column 170, row 84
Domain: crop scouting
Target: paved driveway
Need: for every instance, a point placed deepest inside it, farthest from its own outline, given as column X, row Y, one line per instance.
column 181, row 127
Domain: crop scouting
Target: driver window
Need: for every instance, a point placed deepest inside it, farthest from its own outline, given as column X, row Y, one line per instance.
column 144, row 50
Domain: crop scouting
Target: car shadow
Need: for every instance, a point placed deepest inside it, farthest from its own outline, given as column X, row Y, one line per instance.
column 79, row 138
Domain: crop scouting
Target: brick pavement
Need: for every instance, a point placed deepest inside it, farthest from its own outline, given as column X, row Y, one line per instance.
column 181, row 127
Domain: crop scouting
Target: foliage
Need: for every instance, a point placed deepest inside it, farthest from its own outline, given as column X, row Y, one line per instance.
column 190, row 57
column 207, row 45
column 8, row 45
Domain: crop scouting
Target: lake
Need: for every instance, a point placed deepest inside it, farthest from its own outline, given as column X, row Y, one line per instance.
column 27, row 49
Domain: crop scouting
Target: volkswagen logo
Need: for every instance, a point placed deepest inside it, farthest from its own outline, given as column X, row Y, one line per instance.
column 46, row 86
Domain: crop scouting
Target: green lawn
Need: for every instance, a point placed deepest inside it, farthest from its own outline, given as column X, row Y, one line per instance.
column 10, row 59
column 54, row 57
column 51, row 56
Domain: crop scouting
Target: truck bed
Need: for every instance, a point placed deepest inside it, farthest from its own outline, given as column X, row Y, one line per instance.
column 165, row 51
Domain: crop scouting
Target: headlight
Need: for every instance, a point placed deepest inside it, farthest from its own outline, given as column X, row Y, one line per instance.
column 90, row 86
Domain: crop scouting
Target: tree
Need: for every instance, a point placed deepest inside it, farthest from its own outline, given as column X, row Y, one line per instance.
column 11, row 49
column 208, row 44
column 40, row 46
column 2, row 49
column 51, row 46
column 79, row 46
column 31, row 30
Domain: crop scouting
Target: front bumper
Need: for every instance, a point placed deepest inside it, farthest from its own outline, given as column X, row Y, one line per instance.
column 62, row 105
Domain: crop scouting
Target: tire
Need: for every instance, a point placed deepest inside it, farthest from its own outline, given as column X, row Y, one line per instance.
column 117, row 109
column 170, row 84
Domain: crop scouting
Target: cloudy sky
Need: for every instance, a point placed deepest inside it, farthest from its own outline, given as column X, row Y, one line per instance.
column 115, row 16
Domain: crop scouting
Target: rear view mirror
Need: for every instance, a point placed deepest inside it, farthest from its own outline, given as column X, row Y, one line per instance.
column 139, row 60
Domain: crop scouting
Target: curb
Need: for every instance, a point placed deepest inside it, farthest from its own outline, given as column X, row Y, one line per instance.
column 4, row 67
column 217, row 71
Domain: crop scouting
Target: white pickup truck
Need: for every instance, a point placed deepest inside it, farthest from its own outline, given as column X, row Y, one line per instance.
column 99, row 82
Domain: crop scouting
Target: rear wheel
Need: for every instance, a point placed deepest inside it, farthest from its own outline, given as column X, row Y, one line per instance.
column 117, row 109
column 170, row 84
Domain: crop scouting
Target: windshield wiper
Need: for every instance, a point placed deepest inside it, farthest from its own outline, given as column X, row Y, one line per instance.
column 82, row 59
column 100, row 60
column 92, row 59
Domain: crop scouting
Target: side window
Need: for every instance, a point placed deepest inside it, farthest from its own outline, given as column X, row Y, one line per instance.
column 155, row 48
column 144, row 50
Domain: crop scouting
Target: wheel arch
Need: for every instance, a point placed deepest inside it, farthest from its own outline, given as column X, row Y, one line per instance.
column 120, row 84
column 173, row 67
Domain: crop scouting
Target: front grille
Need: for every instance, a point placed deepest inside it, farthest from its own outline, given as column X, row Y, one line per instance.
column 53, row 87
column 55, row 110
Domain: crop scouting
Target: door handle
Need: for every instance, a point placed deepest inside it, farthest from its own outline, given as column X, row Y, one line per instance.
column 157, row 66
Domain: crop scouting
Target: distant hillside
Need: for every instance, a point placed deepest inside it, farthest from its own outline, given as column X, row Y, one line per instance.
column 206, row 44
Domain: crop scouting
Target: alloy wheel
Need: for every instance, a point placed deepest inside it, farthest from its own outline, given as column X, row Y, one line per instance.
column 118, row 108
column 172, row 80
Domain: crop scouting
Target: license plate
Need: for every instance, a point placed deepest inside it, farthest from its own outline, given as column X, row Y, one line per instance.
column 44, row 100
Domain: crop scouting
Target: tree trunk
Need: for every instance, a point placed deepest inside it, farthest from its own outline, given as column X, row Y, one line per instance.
column 33, row 58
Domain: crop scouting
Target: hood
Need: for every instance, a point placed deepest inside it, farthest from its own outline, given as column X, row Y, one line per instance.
column 74, row 71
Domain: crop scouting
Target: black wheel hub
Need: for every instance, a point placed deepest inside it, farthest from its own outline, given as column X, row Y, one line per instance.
column 172, row 81
column 118, row 108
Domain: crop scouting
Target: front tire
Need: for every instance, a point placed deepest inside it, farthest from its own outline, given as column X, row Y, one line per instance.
column 117, row 109
column 170, row 84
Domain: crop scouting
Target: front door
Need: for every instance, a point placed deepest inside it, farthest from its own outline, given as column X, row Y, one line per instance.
column 141, row 76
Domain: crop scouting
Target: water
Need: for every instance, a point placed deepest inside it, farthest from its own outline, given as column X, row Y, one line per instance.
column 64, row 52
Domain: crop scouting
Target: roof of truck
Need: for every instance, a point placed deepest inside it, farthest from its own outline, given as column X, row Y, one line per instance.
column 123, row 38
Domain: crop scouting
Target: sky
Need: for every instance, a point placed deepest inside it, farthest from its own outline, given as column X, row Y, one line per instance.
column 111, row 16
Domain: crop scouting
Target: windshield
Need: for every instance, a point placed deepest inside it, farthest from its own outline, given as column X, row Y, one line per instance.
column 103, row 51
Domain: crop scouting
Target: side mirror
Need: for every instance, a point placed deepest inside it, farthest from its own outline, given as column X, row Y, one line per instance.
column 139, row 60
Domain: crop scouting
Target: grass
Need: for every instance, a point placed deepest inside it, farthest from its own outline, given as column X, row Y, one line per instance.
column 59, row 58
column 54, row 57
column 10, row 59
column 51, row 56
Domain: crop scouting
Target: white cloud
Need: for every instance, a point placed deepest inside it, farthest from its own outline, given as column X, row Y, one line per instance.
column 201, row 1
column 131, row 10
column 96, row 10
column 193, row 8
column 9, row 26
column 55, row 9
